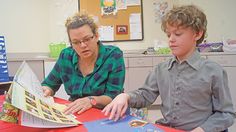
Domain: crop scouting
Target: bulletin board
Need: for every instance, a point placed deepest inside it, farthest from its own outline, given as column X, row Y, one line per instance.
column 126, row 24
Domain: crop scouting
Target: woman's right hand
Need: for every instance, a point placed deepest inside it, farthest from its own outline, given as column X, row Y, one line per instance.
column 117, row 107
column 47, row 91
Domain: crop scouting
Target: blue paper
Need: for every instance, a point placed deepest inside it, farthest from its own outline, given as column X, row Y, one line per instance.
column 122, row 125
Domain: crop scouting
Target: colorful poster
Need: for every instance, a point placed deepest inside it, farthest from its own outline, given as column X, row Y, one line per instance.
column 108, row 7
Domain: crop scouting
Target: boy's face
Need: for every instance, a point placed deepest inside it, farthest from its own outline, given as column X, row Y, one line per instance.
column 182, row 41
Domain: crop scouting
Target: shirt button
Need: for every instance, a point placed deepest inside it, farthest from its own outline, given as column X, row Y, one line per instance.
column 178, row 74
column 177, row 103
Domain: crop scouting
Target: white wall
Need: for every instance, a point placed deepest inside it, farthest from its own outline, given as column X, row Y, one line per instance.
column 30, row 25
column 24, row 23
column 220, row 15
column 60, row 10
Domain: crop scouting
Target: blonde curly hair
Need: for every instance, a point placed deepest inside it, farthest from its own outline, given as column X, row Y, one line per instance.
column 186, row 16
column 79, row 20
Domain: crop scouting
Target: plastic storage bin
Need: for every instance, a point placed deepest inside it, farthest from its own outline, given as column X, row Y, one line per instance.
column 56, row 48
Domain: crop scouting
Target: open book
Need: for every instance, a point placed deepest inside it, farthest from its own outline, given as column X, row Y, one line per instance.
column 36, row 110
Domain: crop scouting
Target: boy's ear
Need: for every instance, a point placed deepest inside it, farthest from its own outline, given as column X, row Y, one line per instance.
column 198, row 35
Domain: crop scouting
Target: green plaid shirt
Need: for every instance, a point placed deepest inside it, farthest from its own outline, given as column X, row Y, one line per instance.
column 106, row 79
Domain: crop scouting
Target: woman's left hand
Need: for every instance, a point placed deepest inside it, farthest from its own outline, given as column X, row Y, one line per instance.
column 80, row 105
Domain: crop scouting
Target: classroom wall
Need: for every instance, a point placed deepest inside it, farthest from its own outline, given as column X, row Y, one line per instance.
column 220, row 15
column 24, row 23
column 30, row 25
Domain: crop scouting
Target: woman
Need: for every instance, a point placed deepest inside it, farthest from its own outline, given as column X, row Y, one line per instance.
column 92, row 73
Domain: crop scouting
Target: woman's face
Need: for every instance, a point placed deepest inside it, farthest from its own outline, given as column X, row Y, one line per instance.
column 84, row 41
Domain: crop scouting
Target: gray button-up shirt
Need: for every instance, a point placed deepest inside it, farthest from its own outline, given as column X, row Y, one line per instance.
column 194, row 93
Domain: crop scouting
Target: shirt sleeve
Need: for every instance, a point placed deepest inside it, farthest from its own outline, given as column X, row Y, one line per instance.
column 116, row 78
column 223, row 112
column 53, row 79
column 145, row 95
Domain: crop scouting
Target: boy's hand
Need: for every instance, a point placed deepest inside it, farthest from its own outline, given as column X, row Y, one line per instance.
column 47, row 91
column 117, row 107
column 198, row 129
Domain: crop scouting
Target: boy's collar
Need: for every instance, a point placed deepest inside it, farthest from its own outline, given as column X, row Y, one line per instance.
column 193, row 60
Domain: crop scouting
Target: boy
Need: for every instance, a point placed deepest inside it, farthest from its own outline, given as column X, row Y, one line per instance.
column 194, row 91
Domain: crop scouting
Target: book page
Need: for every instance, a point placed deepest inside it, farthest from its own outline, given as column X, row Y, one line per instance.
column 39, row 110
column 30, row 120
column 27, row 79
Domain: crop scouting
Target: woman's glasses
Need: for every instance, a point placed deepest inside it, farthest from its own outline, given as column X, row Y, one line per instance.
column 85, row 41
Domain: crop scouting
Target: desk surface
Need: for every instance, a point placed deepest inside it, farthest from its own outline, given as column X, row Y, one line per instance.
column 88, row 116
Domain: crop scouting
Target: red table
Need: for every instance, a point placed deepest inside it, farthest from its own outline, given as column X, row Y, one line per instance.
column 90, row 115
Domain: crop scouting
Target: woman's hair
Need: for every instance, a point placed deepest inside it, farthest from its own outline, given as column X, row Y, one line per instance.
column 79, row 20
column 186, row 16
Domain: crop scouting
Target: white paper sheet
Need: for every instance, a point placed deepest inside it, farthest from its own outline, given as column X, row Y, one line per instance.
column 26, row 78
column 32, row 121
column 106, row 33
column 135, row 26
column 133, row 2
column 121, row 4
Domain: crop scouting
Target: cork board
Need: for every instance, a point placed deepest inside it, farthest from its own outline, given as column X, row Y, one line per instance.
column 126, row 24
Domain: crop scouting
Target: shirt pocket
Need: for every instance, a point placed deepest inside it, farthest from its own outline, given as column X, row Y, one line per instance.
column 197, row 93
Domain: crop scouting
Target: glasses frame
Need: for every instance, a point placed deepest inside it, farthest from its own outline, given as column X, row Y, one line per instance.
column 84, row 41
